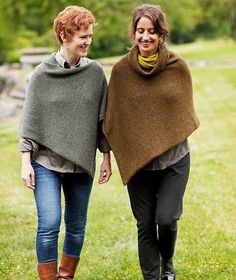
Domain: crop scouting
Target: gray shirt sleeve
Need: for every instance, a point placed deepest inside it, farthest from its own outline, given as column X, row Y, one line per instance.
column 48, row 158
column 103, row 145
column 28, row 145
column 103, row 100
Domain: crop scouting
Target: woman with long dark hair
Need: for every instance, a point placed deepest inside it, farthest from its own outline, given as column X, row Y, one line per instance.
column 150, row 114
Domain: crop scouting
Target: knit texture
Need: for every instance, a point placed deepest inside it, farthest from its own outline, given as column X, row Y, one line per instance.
column 147, row 62
column 148, row 112
column 62, row 110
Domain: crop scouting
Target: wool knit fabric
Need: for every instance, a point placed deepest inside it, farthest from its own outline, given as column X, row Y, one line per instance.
column 148, row 62
column 148, row 112
column 62, row 110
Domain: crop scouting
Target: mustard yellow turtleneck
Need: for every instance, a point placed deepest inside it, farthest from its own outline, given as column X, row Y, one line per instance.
column 148, row 62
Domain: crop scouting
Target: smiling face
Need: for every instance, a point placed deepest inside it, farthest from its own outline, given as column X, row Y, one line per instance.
column 78, row 45
column 146, row 37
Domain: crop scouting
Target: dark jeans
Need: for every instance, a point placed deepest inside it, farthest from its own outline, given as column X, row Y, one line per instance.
column 77, row 189
column 156, row 199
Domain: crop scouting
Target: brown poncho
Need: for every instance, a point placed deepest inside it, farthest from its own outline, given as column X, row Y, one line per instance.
column 148, row 112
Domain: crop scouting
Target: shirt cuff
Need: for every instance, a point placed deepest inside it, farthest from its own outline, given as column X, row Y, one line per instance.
column 103, row 146
column 27, row 145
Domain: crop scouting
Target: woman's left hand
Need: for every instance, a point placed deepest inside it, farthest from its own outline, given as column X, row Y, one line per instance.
column 105, row 170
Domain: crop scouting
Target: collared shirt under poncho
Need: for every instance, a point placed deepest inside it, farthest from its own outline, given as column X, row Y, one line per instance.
column 62, row 110
column 148, row 112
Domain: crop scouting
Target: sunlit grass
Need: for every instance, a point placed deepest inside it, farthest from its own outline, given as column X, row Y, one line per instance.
column 217, row 51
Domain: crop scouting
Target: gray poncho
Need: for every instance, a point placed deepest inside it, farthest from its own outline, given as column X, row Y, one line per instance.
column 63, row 108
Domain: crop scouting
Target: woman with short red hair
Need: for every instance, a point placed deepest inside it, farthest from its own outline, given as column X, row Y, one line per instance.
column 60, row 131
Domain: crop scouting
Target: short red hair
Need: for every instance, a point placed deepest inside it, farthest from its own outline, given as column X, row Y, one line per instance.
column 70, row 20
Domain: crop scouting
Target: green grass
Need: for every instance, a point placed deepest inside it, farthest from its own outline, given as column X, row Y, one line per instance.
column 206, row 246
column 217, row 51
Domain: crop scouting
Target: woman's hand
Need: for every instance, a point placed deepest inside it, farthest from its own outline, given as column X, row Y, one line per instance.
column 105, row 170
column 27, row 171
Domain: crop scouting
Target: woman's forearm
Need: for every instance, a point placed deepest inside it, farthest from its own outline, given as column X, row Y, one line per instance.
column 106, row 156
column 26, row 156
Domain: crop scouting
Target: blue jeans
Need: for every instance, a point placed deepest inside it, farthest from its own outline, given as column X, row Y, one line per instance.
column 77, row 188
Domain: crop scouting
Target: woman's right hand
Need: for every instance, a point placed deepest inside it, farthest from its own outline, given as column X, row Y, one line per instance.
column 27, row 171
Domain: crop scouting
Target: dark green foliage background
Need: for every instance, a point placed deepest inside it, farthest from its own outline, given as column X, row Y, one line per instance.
column 28, row 23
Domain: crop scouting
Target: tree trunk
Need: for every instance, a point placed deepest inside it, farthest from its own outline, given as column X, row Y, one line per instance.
column 233, row 19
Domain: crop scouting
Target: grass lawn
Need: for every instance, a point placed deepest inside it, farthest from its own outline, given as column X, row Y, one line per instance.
column 206, row 247
column 217, row 51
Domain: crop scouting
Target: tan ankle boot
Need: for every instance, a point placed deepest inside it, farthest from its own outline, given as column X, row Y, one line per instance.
column 47, row 271
column 68, row 266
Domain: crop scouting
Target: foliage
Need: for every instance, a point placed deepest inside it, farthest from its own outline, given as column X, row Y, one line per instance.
column 29, row 22
column 183, row 17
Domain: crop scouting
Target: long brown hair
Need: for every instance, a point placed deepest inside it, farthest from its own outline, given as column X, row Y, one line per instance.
column 156, row 15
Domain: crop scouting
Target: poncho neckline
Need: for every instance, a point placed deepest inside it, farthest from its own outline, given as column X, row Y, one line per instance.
column 160, row 65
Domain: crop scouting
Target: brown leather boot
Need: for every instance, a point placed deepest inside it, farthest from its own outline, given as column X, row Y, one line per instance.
column 47, row 271
column 68, row 266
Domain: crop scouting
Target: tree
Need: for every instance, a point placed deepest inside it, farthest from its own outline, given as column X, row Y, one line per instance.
column 29, row 23
column 10, row 20
column 233, row 18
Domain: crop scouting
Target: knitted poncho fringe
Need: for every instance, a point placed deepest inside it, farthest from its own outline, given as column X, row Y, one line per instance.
column 148, row 112
column 62, row 110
